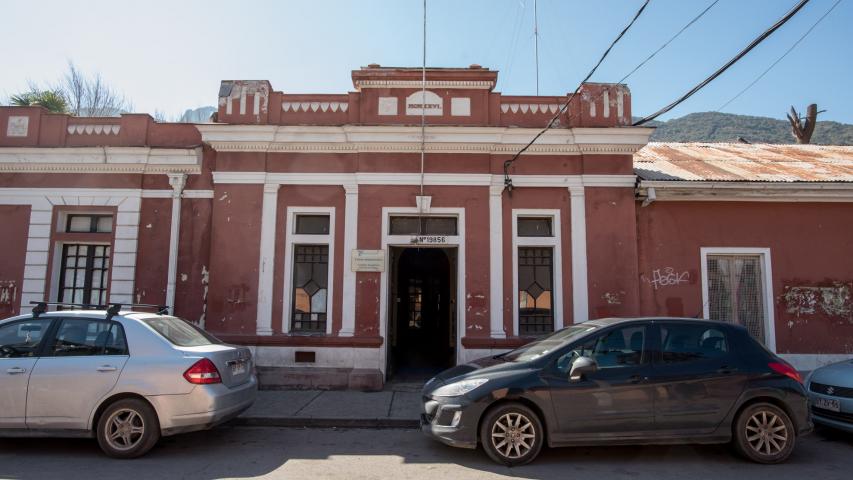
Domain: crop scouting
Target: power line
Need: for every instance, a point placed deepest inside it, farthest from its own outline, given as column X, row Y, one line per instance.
column 677, row 34
column 728, row 64
column 781, row 57
column 691, row 22
column 507, row 180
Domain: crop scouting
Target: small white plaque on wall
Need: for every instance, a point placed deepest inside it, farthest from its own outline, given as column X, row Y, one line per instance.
column 460, row 107
column 427, row 102
column 368, row 261
column 387, row 105
column 18, row 126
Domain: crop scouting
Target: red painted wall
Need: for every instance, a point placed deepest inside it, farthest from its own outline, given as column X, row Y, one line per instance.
column 611, row 252
column 809, row 247
column 152, row 258
column 13, row 238
column 235, row 253
column 191, row 289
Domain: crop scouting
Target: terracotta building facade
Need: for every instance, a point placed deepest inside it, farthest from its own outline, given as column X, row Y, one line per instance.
column 348, row 244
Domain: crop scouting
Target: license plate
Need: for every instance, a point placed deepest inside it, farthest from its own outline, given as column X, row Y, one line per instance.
column 828, row 404
column 238, row 368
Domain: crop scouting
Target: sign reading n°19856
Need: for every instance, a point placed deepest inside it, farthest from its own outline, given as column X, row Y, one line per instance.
column 429, row 239
column 368, row 261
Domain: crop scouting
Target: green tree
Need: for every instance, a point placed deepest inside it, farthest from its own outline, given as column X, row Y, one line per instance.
column 49, row 99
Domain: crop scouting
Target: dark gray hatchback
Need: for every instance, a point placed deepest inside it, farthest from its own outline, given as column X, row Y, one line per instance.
column 622, row 381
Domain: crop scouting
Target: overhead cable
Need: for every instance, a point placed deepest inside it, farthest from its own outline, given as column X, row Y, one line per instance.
column 815, row 24
column 728, row 64
column 508, row 163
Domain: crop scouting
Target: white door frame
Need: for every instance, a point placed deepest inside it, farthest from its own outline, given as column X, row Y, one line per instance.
column 766, row 278
column 388, row 240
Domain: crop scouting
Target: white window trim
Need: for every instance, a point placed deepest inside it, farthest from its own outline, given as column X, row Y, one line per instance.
column 292, row 239
column 556, row 242
column 766, row 278
column 389, row 240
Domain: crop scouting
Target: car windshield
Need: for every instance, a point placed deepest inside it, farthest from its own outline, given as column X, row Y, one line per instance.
column 548, row 344
column 180, row 332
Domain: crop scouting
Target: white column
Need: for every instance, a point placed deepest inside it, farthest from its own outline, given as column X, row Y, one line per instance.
column 350, row 244
column 267, row 260
column 580, row 287
column 496, row 265
column 177, row 181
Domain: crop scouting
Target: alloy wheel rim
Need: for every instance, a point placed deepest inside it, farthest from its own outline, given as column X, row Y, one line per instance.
column 513, row 435
column 125, row 429
column 766, row 433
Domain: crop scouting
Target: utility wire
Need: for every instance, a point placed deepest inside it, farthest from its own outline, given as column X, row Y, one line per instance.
column 507, row 180
column 677, row 34
column 728, row 64
column 765, row 72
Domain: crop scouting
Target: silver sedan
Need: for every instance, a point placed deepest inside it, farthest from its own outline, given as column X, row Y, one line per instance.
column 127, row 378
column 831, row 395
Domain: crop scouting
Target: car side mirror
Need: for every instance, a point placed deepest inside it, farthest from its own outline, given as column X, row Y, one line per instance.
column 582, row 366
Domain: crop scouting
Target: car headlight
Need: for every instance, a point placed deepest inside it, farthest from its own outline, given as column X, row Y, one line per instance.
column 459, row 388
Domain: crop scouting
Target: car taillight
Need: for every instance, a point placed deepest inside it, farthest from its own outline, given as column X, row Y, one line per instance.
column 203, row 372
column 785, row 369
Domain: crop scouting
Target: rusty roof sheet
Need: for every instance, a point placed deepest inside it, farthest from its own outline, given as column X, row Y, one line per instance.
column 739, row 162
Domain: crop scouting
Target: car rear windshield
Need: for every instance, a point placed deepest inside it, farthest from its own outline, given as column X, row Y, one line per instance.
column 180, row 332
column 548, row 344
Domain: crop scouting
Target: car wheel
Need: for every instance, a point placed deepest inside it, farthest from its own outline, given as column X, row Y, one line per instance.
column 764, row 433
column 128, row 429
column 512, row 434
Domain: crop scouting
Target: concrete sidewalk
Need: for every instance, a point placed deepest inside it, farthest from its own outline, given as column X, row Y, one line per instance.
column 394, row 407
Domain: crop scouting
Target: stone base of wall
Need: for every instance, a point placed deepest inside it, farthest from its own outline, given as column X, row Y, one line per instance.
column 320, row 378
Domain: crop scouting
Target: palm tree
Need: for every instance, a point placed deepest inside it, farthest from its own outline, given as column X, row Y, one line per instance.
column 52, row 100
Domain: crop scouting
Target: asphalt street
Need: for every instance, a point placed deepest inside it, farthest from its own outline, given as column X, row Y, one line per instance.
column 264, row 452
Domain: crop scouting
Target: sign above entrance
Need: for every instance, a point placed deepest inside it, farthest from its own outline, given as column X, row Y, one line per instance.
column 424, row 101
column 429, row 240
column 368, row 261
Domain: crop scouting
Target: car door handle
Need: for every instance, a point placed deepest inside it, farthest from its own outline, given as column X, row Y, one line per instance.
column 16, row 370
column 637, row 378
column 107, row 368
column 726, row 370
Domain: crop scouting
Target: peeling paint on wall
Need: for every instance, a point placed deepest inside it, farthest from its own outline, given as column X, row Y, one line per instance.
column 613, row 298
column 8, row 292
column 833, row 300
column 205, row 279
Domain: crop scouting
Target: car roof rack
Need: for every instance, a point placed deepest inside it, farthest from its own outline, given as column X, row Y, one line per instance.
column 112, row 309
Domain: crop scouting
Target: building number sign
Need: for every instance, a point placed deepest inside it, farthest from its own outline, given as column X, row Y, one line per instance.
column 429, row 239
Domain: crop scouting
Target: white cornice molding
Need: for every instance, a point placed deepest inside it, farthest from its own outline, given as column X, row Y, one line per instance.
column 747, row 191
column 450, row 179
column 100, row 160
column 439, row 139
column 455, row 84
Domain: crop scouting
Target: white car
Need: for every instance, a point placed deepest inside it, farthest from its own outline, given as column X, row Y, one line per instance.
column 125, row 377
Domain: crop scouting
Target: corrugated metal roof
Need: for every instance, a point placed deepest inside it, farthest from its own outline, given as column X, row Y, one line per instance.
column 740, row 162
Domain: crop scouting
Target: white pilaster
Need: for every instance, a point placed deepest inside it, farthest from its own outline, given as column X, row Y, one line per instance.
column 350, row 244
column 177, row 182
column 267, row 260
column 580, row 287
column 496, row 258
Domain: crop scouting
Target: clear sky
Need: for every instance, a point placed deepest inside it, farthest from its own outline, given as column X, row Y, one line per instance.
column 171, row 55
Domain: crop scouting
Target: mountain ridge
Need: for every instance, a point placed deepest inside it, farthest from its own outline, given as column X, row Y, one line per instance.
column 727, row 127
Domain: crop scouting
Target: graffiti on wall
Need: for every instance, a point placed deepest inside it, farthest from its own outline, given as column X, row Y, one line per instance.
column 8, row 293
column 832, row 300
column 667, row 277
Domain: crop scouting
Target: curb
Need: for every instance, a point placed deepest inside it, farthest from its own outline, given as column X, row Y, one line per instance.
column 315, row 422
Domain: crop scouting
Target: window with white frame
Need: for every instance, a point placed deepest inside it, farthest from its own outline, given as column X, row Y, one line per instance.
column 84, row 263
column 309, row 256
column 735, row 289
column 537, row 273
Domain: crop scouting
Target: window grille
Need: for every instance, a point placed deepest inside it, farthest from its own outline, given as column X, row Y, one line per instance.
column 83, row 276
column 535, row 291
column 402, row 225
column 736, row 292
column 310, row 288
